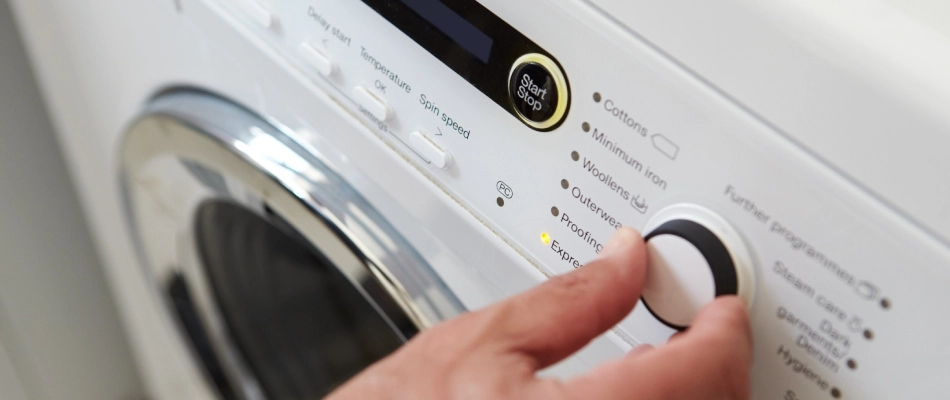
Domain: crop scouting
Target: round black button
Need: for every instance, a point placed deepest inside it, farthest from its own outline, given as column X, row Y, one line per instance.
column 534, row 92
column 538, row 91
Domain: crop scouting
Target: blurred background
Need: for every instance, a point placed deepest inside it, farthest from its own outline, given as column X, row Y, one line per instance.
column 60, row 334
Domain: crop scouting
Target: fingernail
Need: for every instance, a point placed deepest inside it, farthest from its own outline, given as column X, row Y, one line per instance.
column 621, row 239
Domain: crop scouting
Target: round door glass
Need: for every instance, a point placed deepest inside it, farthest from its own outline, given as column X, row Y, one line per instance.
column 300, row 325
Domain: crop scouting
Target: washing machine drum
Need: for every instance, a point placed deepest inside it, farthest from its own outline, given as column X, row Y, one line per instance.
column 282, row 278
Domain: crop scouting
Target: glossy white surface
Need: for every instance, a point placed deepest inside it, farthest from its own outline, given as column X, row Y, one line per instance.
column 60, row 334
column 860, row 84
column 827, row 254
column 820, row 247
column 198, row 43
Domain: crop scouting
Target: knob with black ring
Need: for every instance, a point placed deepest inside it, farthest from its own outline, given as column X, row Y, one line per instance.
column 695, row 256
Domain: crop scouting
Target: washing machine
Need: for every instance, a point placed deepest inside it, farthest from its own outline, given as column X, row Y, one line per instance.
column 285, row 191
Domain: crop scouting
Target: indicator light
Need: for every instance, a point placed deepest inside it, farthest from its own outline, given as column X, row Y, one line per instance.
column 545, row 238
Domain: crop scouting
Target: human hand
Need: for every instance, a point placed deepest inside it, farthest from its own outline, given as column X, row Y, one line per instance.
column 496, row 352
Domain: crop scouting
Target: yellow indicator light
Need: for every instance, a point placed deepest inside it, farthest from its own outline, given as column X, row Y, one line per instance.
column 545, row 238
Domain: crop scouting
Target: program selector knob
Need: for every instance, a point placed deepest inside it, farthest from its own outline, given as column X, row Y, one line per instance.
column 695, row 256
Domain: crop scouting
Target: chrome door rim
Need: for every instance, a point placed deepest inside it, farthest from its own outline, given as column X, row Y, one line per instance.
column 189, row 147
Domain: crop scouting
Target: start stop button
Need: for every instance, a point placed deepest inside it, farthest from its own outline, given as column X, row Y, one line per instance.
column 538, row 91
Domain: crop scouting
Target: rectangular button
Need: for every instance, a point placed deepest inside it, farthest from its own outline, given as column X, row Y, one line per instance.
column 261, row 15
column 371, row 103
column 429, row 150
column 316, row 58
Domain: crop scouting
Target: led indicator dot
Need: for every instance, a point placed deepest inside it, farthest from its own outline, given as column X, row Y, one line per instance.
column 565, row 184
column 836, row 393
column 868, row 334
column 501, row 202
column 885, row 303
column 852, row 364
column 575, row 155
column 586, row 127
column 555, row 212
column 597, row 97
column 545, row 238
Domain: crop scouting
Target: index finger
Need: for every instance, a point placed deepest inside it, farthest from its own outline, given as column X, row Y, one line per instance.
column 559, row 317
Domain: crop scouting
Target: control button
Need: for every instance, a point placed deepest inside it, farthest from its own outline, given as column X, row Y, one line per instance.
column 316, row 58
column 695, row 256
column 260, row 14
column 371, row 103
column 429, row 150
column 538, row 91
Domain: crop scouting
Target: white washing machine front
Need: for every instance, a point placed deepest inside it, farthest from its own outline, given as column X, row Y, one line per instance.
column 506, row 147
column 283, row 279
column 99, row 83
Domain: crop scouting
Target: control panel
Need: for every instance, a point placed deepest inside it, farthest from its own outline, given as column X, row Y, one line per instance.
column 556, row 126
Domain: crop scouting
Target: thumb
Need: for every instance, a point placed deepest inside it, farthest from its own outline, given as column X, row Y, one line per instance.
column 711, row 360
column 559, row 317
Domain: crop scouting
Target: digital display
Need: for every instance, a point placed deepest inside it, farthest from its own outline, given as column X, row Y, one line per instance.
column 454, row 26
column 468, row 38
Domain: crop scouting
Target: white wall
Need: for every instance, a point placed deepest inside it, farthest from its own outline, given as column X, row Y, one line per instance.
column 60, row 336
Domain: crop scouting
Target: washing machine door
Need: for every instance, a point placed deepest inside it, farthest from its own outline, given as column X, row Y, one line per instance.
column 281, row 277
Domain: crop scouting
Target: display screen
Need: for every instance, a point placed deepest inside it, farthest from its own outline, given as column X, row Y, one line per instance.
column 454, row 26
column 465, row 36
